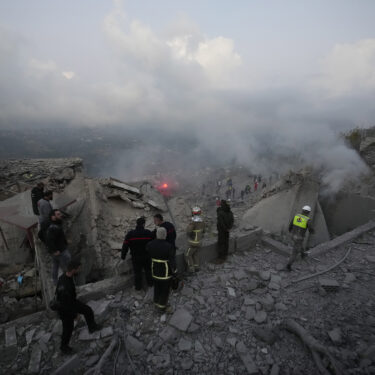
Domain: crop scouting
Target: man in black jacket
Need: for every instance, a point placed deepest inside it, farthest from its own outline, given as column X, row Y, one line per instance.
column 163, row 267
column 69, row 306
column 36, row 195
column 137, row 240
column 169, row 227
column 57, row 244
column 225, row 222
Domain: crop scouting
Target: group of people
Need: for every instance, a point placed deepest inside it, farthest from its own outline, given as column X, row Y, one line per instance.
column 152, row 252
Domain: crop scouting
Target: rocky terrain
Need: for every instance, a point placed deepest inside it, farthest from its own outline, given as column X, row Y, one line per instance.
column 227, row 319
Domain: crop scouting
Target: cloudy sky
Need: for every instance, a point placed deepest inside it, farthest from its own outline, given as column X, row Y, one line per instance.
column 287, row 70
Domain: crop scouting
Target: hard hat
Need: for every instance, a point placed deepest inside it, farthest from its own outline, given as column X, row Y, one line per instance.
column 306, row 208
column 196, row 211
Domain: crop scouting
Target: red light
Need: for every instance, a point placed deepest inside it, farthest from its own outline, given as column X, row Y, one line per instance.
column 164, row 186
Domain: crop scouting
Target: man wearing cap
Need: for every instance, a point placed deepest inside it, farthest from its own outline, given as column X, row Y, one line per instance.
column 136, row 240
column 298, row 227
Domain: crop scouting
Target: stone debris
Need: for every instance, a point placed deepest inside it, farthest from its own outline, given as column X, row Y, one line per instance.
column 329, row 285
column 105, row 332
column 181, row 319
column 246, row 358
column 134, row 346
column 336, row 336
column 184, row 345
column 265, row 334
column 29, row 336
column 265, row 275
column 231, row 292
column 260, row 317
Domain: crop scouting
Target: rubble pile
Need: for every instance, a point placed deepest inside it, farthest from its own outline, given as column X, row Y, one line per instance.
column 233, row 318
column 19, row 175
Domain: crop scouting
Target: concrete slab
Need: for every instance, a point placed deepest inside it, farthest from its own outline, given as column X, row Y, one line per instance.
column 181, row 319
column 341, row 240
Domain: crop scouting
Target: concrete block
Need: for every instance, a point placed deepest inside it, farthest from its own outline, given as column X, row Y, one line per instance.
column 68, row 366
column 181, row 319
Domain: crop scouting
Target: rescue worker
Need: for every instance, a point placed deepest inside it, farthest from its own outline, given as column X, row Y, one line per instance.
column 36, row 195
column 70, row 307
column 195, row 232
column 225, row 222
column 298, row 227
column 137, row 240
column 57, row 244
column 163, row 267
column 169, row 227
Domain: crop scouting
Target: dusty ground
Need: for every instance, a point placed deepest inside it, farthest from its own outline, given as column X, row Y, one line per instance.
column 220, row 322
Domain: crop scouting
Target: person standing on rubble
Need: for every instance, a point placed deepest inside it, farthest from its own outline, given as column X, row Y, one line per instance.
column 37, row 194
column 163, row 268
column 57, row 244
column 45, row 207
column 169, row 227
column 137, row 240
column 298, row 227
column 195, row 232
column 225, row 222
column 69, row 307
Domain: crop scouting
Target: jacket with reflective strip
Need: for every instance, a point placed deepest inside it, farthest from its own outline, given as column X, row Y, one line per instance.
column 160, row 269
column 301, row 221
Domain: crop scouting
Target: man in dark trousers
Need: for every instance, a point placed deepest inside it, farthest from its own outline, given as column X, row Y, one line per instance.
column 69, row 306
column 36, row 195
column 57, row 244
column 163, row 267
column 137, row 240
column 225, row 222
column 169, row 227
column 298, row 227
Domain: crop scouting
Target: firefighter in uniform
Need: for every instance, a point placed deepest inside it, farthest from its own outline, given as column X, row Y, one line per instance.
column 163, row 267
column 195, row 232
column 137, row 240
column 298, row 227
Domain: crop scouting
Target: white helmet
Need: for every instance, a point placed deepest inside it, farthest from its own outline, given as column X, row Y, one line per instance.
column 306, row 208
column 196, row 211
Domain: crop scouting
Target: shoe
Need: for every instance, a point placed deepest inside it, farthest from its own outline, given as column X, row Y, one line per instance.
column 66, row 350
column 94, row 328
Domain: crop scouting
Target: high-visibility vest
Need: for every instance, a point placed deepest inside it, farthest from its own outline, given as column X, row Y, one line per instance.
column 301, row 221
column 165, row 263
